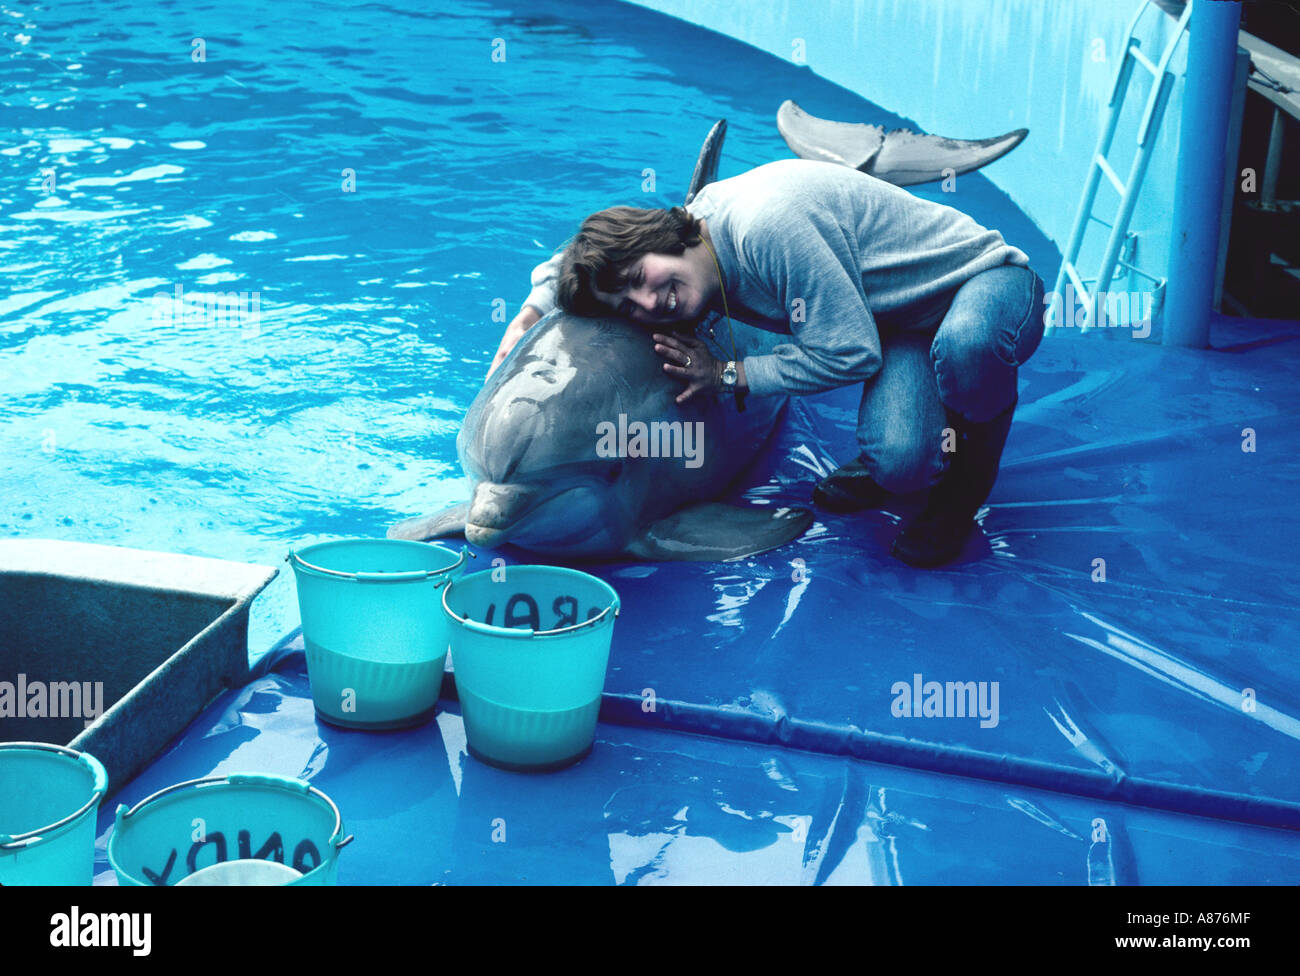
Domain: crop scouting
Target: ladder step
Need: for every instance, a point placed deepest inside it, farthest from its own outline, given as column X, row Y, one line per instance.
column 1143, row 60
column 1138, row 271
column 1115, row 181
column 1079, row 286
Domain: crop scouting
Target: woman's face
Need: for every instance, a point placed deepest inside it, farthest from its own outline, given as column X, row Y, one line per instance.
column 665, row 288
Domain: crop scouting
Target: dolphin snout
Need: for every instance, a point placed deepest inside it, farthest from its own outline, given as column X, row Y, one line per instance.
column 495, row 509
column 480, row 535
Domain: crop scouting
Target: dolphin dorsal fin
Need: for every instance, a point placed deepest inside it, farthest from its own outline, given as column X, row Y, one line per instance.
column 706, row 166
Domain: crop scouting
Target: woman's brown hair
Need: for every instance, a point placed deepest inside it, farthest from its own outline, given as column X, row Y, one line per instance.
column 608, row 242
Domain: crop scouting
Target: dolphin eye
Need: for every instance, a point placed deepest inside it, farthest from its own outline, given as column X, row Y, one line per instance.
column 614, row 471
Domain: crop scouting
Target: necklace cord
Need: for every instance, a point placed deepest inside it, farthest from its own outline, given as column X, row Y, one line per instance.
column 722, row 287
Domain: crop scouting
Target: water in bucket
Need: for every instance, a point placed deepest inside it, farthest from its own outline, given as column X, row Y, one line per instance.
column 246, row 873
column 530, row 646
column 49, row 795
column 376, row 641
column 517, row 738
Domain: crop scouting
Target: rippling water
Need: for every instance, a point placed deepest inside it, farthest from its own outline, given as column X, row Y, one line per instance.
column 375, row 176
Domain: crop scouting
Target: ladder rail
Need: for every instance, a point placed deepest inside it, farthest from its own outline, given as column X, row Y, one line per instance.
column 1082, row 215
column 1154, row 114
column 1099, row 166
column 1118, row 91
column 1127, row 205
column 1147, row 119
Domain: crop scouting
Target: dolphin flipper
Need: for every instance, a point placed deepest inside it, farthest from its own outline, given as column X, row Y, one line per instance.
column 706, row 166
column 712, row 532
column 899, row 156
column 450, row 521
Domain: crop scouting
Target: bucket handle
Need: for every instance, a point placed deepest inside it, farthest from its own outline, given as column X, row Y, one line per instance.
column 586, row 623
column 238, row 779
column 535, row 633
column 408, row 576
column 12, row 842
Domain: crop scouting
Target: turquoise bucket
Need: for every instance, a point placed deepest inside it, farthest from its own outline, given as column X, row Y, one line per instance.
column 530, row 645
column 376, row 643
column 48, row 798
column 186, row 828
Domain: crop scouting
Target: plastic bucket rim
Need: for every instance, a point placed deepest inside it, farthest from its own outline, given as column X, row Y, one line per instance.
column 262, row 780
column 99, row 787
column 518, row 633
column 295, row 560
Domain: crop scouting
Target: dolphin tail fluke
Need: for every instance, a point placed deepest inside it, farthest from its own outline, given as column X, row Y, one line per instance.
column 706, row 166
column 450, row 521
column 712, row 532
column 899, row 156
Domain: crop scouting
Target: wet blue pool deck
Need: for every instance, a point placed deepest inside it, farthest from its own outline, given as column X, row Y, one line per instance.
column 1147, row 723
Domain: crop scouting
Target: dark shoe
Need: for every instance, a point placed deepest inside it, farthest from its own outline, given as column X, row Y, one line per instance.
column 938, row 535
column 932, row 539
column 849, row 489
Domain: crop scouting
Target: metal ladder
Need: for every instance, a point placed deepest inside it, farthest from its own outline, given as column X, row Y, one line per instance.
column 1163, row 80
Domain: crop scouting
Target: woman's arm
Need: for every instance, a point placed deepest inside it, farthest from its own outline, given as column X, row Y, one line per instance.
column 539, row 301
column 806, row 262
column 522, row 322
column 543, row 280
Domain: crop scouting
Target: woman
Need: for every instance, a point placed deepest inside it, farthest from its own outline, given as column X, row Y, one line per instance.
column 870, row 282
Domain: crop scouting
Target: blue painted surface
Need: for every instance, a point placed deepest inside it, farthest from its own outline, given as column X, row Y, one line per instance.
column 653, row 807
column 1125, row 679
column 1132, row 687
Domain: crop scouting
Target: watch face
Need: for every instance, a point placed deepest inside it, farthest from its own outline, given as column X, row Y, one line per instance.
column 729, row 375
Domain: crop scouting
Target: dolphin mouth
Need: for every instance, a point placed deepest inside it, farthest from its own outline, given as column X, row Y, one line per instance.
column 486, row 536
column 505, row 513
column 496, row 510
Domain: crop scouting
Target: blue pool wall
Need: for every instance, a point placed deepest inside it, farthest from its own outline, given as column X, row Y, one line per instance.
column 977, row 68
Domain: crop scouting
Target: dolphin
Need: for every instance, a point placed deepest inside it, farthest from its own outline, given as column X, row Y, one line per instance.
column 577, row 449
column 898, row 156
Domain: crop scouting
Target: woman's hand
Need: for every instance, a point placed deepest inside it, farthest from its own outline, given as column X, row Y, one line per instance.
column 690, row 361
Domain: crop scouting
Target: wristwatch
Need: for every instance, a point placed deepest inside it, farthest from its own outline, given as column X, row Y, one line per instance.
column 730, row 375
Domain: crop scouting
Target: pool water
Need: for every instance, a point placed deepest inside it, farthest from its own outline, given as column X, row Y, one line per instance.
column 379, row 179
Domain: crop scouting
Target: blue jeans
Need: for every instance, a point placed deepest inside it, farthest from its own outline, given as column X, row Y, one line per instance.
column 968, row 364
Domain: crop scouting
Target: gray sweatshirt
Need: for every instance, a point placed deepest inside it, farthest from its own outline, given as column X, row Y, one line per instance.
column 833, row 258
